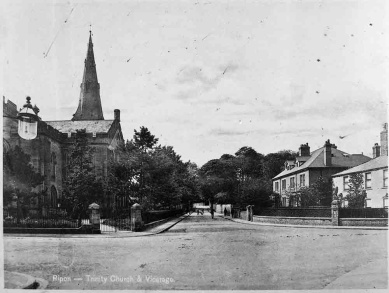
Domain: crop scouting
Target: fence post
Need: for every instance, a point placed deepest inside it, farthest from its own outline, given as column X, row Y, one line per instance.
column 136, row 217
column 94, row 216
column 335, row 213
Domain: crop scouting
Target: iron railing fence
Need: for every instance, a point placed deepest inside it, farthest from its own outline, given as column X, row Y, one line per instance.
column 50, row 218
column 363, row 213
column 320, row 212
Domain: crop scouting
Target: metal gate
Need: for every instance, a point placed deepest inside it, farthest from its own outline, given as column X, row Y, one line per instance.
column 115, row 220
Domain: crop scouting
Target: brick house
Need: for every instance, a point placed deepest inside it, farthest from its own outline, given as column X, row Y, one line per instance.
column 309, row 166
column 375, row 175
column 49, row 150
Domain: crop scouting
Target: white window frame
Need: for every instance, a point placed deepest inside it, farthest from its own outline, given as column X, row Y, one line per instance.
column 292, row 183
column 367, row 180
column 302, row 180
column 345, row 182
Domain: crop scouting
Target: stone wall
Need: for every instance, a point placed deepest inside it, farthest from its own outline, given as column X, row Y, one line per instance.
column 293, row 220
column 371, row 222
column 243, row 214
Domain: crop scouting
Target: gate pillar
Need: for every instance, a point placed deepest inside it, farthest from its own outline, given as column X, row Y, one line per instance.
column 335, row 213
column 136, row 218
column 249, row 213
column 94, row 217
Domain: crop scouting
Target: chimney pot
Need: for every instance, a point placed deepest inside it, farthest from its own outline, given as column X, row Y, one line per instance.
column 376, row 150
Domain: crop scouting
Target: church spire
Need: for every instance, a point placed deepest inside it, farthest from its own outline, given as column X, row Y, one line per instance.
column 89, row 106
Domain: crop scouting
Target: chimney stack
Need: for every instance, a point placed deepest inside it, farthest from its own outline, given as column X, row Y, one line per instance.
column 376, row 150
column 117, row 115
column 304, row 150
column 327, row 153
column 384, row 140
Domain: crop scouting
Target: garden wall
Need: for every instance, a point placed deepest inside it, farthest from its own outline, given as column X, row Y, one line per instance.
column 314, row 221
column 371, row 222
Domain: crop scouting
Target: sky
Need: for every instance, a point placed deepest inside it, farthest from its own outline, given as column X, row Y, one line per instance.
column 209, row 77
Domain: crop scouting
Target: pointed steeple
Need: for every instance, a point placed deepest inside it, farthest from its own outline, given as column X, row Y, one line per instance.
column 89, row 106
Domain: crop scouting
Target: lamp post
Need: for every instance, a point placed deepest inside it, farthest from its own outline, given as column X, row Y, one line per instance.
column 28, row 121
column 28, row 130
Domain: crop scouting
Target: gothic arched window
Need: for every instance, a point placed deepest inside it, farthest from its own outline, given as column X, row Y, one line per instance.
column 53, row 196
column 53, row 165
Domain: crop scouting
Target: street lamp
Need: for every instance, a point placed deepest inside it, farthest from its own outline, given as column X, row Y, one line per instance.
column 28, row 121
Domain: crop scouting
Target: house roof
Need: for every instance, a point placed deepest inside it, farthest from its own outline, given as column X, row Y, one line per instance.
column 302, row 158
column 376, row 163
column 66, row 126
column 316, row 160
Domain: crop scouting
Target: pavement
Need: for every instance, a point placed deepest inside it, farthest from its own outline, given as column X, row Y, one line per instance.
column 301, row 226
column 15, row 280
column 362, row 276
column 374, row 272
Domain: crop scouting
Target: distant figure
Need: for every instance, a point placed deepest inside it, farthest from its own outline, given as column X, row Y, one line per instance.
column 197, row 211
column 225, row 212
column 212, row 212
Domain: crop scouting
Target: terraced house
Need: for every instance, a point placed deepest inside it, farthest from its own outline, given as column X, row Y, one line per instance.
column 308, row 167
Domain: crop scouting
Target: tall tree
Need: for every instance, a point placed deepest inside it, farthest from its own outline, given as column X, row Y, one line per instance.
column 274, row 162
column 143, row 139
column 81, row 186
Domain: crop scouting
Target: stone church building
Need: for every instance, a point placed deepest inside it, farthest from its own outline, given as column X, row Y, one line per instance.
column 49, row 149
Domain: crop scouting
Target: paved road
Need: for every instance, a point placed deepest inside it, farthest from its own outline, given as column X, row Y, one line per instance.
column 201, row 253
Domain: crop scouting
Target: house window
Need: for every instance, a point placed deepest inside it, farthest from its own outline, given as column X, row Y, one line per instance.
column 292, row 182
column 302, row 180
column 283, row 184
column 345, row 183
column 276, row 187
column 386, row 178
column 284, row 201
column 367, row 180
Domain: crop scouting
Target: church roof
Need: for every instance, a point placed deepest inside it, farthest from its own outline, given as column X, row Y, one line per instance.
column 66, row 126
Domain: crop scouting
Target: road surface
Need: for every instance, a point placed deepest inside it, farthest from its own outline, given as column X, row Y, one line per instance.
column 201, row 253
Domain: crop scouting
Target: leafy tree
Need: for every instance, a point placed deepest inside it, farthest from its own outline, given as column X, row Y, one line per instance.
column 81, row 186
column 274, row 162
column 219, row 176
column 250, row 162
column 19, row 179
column 319, row 193
column 143, row 139
column 236, row 179
column 323, row 189
column 152, row 175
column 356, row 195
